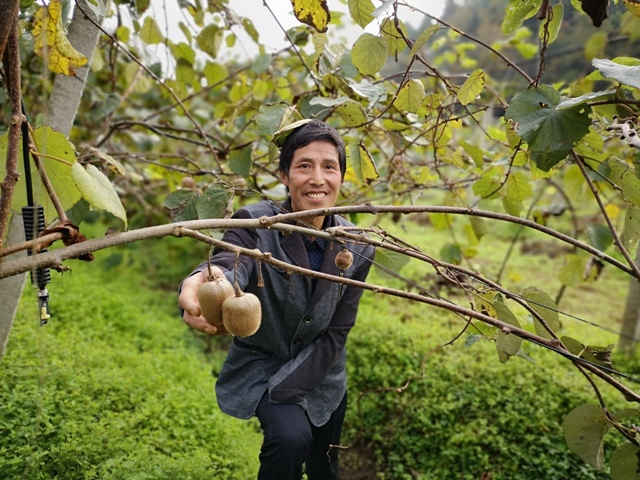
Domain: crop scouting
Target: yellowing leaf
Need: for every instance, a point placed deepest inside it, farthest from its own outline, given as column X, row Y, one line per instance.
column 633, row 6
column 98, row 190
column 150, row 32
column 423, row 38
column 369, row 53
column 472, row 87
column 410, row 96
column 314, row 13
column 51, row 42
column 352, row 113
column 362, row 163
column 361, row 11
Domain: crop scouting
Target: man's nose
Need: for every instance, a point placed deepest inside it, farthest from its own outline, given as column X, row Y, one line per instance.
column 318, row 176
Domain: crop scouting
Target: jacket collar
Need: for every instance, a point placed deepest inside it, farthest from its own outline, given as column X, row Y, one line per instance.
column 293, row 244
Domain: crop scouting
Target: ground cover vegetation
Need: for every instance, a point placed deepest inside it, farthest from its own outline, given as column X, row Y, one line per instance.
column 117, row 387
column 170, row 132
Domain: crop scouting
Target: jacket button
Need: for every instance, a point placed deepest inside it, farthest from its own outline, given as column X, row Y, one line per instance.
column 296, row 341
column 307, row 319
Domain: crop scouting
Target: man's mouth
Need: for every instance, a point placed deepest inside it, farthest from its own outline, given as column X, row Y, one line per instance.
column 316, row 196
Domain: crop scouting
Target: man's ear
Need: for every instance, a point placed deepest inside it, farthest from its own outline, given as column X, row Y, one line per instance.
column 284, row 178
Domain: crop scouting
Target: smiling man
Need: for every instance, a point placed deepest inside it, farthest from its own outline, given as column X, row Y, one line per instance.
column 291, row 373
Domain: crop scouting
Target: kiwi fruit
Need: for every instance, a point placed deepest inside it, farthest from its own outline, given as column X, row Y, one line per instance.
column 344, row 259
column 239, row 185
column 211, row 295
column 242, row 314
column 188, row 183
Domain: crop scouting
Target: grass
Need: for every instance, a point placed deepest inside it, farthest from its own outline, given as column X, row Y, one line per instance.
column 115, row 386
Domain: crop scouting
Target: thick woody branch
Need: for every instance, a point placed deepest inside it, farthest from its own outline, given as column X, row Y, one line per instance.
column 54, row 259
column 11, row 62
column 9, row 9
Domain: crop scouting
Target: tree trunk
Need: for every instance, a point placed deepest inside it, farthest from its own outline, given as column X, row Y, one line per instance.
column 11, row 287
column 67, row 91
column 630, row 328
column 61, row 111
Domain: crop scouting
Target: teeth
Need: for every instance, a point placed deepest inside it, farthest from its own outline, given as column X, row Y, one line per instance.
column 316, row 195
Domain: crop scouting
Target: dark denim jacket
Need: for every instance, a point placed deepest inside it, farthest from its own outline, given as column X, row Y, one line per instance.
column 299, row 353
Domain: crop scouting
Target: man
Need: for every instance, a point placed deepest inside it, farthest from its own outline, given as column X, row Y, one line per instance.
column 291, row 373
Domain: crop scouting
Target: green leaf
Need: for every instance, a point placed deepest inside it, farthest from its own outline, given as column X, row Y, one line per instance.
column 573, row 345
column 624, row 176
column 508, row 345
column 361, row 11
column 587, row 97
column 369, row 53
column 547, row 130
column 624, row 463
column 584, row 429
column 178, row 198
column 553, row 27
column 517, row 12
column 212, row 203
column 599, row 236
column 544, row 306
column 281, row 135
column 240, row 161
column 472, row 87
column 215, row 73
column 150, row 32
column 98, row 190
column 571, row 273
column 328, row 102
column 269, row 117
column 250, row 28
column 631, row 233
column 209, row 39
column 410, row 96
column 479, row 226
column 512, row 206
column 518, row 187
column 545, row 161
column 624, row 74
column 423, row 38
column 362, row 163
column 60, row 155
column 352, row 113
column 476, row 153
column 487, row 187
column 389, row 260
column 182, row 51
column 451, row 253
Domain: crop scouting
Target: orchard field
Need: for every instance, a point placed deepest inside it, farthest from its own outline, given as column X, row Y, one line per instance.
column 115, row 386
column 492, row 160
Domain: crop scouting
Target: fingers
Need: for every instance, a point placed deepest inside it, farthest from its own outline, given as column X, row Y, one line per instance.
column 188, row 301
column 200, row 324
column 188, row 298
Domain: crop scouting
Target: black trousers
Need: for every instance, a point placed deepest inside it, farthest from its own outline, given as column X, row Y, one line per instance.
column 291, row 440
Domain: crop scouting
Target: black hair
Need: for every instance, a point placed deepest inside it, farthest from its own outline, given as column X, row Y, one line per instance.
column 313, row 131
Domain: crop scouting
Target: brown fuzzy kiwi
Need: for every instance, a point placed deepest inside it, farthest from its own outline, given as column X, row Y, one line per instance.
column 239, row 186
column 242, row 314
column 188, row 183
column 211, row 295
column 344, row 259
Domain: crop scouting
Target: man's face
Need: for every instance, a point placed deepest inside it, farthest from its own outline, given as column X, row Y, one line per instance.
column 314, row 177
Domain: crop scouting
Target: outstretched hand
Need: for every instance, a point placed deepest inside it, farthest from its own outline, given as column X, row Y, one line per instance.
column 188, row 301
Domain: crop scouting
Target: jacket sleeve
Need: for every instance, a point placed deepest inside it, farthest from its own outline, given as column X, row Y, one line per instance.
column 305, row 372
column 241, row 237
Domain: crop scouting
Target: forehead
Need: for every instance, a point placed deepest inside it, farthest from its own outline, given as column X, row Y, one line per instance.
column 318, row 150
